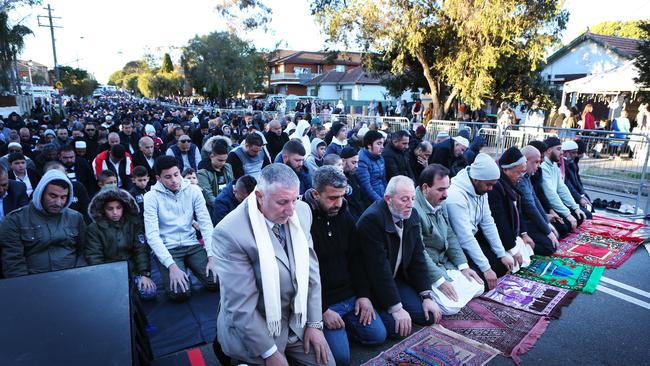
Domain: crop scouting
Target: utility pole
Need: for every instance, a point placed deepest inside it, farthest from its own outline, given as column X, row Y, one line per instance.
column 51, row 25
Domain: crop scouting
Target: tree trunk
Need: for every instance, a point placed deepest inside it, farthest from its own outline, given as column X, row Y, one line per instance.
column 434, row 85
column 449, row 100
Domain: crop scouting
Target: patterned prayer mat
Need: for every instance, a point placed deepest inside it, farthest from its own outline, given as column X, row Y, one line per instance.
column 435, row 346
column 511, row 331
column 610, row 226
column 597, row 249
column 563, row 272
column 531, row 296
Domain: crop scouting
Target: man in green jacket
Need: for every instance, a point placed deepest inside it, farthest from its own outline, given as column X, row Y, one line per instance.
column 45, row 235
column 215, row 177
column 117, row 234
column 454, row 283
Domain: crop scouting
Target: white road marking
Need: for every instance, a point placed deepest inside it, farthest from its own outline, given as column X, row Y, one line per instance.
column 625, row 287
column 624, row 297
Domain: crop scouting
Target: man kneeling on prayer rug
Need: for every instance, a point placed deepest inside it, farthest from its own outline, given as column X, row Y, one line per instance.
column 454, row 283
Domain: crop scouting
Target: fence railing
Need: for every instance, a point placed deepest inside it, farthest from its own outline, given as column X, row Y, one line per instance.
column 616, row 162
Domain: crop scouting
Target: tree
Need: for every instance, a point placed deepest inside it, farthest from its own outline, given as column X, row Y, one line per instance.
column 245, row 14
column 643, row 60
column 11, row 44
column 223, row 64
column 629, row 29
column 77, row 82
column 167, row 65
column 458, row 44
column 116, row 78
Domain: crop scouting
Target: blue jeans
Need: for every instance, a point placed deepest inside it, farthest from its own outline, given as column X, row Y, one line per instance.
column 412, row 303
column 372, row 334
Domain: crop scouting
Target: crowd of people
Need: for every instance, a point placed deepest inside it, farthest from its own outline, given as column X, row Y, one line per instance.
column 311, row 234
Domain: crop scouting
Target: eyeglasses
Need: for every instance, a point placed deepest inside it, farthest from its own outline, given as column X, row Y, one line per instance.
column 184, row 141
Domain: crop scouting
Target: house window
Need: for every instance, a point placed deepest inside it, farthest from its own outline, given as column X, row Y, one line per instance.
column 281, row 68
column 302, row 70
column 340, row 68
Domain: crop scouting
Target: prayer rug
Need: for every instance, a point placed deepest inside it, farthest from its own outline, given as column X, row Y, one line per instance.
column 610, row 226
column 563, row 272
column 597, row 249
column 511, row 331
column 435, row 346
column 531, row 296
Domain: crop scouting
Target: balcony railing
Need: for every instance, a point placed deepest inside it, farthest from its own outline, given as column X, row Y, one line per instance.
column 292, row 76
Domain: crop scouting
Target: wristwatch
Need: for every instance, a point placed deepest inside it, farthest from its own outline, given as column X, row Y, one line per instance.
column 426, row 295
column 315, row 325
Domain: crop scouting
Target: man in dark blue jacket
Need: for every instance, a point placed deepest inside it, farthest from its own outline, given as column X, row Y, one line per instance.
column 232, row 196
column 572, row 177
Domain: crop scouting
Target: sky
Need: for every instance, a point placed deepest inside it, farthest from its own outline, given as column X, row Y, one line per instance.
column 102, row 36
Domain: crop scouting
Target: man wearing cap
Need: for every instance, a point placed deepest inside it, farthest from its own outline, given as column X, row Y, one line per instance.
column 450, row 154
column 471, row 218
column 81, row 149
column 505, row 206
column 535, row 218
column 15, row 147
column 396, row 155
column 572, row 177
column 555, row 190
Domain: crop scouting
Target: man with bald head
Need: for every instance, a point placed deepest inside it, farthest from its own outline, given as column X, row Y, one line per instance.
column 537, row 223
column 146, row 156
column 275, row 138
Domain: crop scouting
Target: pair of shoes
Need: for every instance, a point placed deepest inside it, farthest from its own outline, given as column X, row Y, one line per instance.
column 598, row 203
column 615, row 205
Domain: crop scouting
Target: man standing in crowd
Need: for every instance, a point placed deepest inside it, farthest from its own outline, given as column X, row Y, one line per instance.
column 454, row 283
column 248, row 158
column 262, row 248
column 45, row 235
column 400, row 282
column 396, row 155
column 344, row 283
column 471, row 219
column 169, row 210
column 537, row 223
column 554, row 188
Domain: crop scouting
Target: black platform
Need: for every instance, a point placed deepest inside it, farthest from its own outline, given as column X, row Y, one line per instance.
column 79, row 316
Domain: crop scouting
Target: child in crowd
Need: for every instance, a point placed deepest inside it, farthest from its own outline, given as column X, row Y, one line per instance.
column 107, row 179
column 117, row 234
column 190, row 174
column 140, row 186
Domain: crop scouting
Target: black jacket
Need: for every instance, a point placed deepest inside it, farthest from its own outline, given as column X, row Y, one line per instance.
column 380, row 244
column 83, row 173
column 340, row 261
column 130, row 142
column 396, row 162
column 572, row 179
column 16, row 196
column 357, row 201
column 33, row 175
column 506, row 215
column 275, row 143
column 443, row 154
column 140, row 160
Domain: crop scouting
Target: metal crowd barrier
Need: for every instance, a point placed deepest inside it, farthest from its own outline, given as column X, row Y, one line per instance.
column 616, row 163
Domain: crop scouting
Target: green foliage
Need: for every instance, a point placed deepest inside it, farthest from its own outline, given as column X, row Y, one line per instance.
column 11, row 44
column 629, row 29
column 458, row 44
column 77, row 82
column 643, row 60
column 116, row 78
column 245, row 14
column 223, row 64
column 167, row 65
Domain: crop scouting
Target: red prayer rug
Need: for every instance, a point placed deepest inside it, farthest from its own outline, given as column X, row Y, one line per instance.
column 435, row 346
column 511, row 331
column 597, row 249
column 609, row 226
column 531, row 296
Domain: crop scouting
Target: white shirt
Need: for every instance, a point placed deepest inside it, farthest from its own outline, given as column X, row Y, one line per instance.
column 27, row 182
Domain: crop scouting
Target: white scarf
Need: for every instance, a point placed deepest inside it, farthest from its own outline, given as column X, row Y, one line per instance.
column 269, row 268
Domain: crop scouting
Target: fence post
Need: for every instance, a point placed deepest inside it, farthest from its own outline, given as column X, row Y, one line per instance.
column 642, row 179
